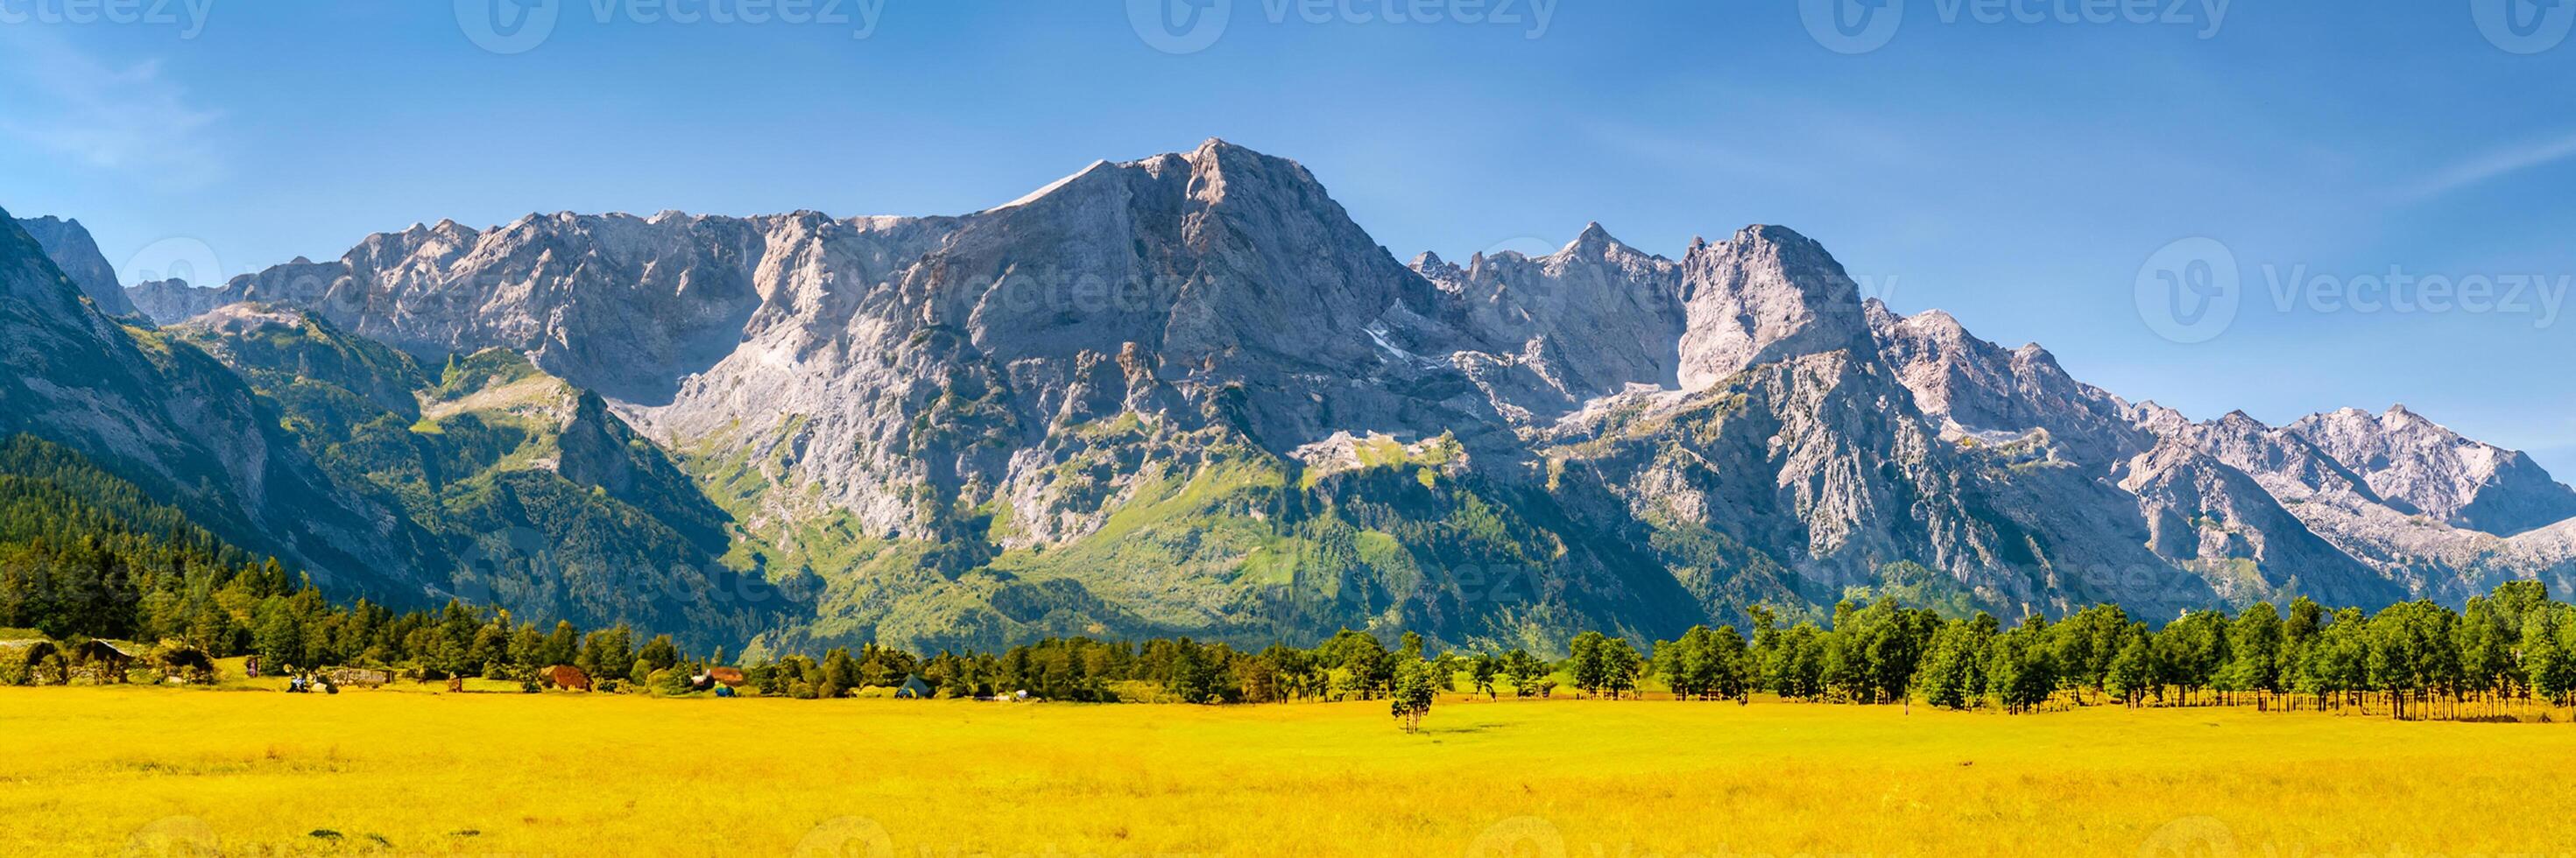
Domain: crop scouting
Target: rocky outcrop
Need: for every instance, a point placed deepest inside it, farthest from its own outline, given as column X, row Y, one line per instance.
column 1765, row 294
column 1980, row 392
column 72, row 250
column 2416, row 465
column 1584, row 322
column 172, row 301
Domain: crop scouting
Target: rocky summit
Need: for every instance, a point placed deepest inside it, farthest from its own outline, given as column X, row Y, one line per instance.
column 1188, row 395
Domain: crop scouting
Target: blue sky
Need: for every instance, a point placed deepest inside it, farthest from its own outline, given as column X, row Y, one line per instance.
column 2017, row 174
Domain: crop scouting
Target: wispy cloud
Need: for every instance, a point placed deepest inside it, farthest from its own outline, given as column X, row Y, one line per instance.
column 129, row 119
column 2494, row 164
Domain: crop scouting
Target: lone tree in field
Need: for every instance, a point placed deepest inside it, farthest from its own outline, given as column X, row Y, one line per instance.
column 1526, row 672
column 1484, row 669
column 1413, row 693
column 1589, row 661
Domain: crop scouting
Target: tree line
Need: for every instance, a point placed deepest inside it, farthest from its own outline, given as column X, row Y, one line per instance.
column 2514, row 647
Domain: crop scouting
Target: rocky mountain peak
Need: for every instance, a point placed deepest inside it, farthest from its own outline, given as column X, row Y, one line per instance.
column 1594, row 239
column 1766, row 294
column 2399, row 418
column 2238, row 420
column 69, row 246
column 1936, row 326
column 1585, row 321
column 1208, row 175
column 2423, row 465
column 1977, row 389
column 30, row 276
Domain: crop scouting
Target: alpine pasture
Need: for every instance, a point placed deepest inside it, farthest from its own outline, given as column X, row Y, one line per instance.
column 416, row 770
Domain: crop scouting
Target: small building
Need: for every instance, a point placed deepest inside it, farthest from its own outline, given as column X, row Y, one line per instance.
column 183, row 664
column 566, row 677
column 35, row 661
column 103, row 661
column 913, row 689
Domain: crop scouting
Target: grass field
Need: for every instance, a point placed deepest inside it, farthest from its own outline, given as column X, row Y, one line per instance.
column 163, row 771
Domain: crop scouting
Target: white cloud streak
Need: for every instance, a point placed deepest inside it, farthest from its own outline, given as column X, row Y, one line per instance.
column 131, row 120
column 2495, row 164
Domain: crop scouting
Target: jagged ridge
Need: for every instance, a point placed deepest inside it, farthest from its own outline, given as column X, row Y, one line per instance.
column 1159, row 394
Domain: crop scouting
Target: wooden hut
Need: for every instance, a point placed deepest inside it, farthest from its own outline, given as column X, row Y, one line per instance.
column 183, row 664
column 103, row 661
column 34, row 661
column 566, row 677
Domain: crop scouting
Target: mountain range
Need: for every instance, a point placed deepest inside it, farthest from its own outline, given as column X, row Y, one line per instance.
column 1188, row 395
